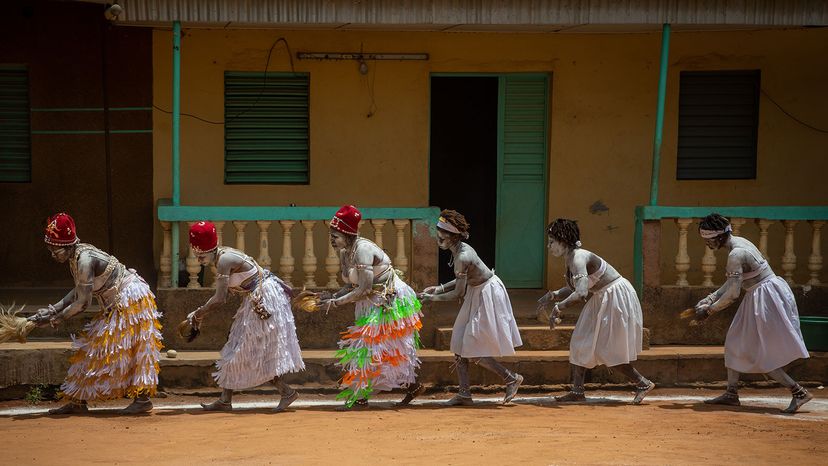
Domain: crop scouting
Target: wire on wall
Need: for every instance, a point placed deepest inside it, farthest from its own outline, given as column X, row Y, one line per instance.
column 258, row 97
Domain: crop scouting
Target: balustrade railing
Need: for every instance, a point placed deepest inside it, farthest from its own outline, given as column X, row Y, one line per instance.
column 654, row 222
column 303, row 233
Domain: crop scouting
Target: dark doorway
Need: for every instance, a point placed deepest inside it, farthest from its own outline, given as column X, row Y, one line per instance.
column 463, row 168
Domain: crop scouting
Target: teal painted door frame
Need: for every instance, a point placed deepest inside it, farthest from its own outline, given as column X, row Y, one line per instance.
column 522, row 176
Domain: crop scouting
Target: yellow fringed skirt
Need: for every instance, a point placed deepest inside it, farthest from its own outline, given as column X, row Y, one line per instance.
column 117, row 354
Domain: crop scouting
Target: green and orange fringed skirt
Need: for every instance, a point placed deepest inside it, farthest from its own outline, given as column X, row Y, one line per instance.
column 379, row 352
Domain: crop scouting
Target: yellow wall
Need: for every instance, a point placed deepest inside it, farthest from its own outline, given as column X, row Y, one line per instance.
column 601, row 119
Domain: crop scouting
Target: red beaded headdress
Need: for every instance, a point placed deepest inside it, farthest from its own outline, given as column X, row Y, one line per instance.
column 203, row 237
column 347, row 220
column 60, row 230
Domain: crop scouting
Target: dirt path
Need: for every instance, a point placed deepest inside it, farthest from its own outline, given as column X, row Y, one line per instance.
column 670, row 429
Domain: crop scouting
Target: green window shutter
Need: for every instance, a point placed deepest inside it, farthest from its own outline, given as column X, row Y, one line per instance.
column 15, row 143
column 266, row 130
column 521, row 221
column 718, row 125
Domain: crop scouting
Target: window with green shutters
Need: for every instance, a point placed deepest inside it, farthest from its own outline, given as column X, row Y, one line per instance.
column 717, row 125
column 15, row 143
column 266, row 129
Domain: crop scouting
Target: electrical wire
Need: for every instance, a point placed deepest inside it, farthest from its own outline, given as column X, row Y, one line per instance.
column 820, row 130
column 258, row 97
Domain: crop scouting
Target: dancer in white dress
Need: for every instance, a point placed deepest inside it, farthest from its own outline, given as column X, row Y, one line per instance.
column 609, row 329
column 764, row 335
column 485, row 327
column 262, row 345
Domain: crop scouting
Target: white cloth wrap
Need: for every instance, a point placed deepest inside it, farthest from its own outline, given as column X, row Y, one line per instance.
column 258, row 350
column 610, row 328
column 765, row 334
column 485, row 325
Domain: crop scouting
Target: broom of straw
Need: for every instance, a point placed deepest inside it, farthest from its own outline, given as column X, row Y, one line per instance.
column 687, row 313
column 12, row 326
column 307, row 301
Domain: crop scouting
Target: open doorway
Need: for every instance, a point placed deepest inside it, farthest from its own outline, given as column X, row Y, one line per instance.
column 463, row 161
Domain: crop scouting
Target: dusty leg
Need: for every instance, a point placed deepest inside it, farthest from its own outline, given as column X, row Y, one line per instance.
column 577, row 391
column 289, row 395
column 799, row 396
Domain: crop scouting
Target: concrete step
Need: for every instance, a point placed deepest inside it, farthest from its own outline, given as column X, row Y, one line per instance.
column 47, row 362
column 535, row 337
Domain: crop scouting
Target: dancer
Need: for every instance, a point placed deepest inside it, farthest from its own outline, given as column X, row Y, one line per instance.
column 379, row 352
column 485, row 327
column 764, row 335
column 117, row 353
column 609, row 329
column 262, row 345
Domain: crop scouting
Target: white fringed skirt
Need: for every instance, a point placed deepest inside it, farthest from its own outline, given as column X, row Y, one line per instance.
column 258, row 350
column 117, row 353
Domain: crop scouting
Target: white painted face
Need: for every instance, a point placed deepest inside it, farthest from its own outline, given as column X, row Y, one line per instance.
column 445, row 240
column 339, row 240
column 556, row 247
column 207, row 258
column 713, row 243
column 59, row 254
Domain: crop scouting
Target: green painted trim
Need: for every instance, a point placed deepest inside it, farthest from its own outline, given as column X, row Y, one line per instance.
column 501, row 123
column 171, row 213
column 90, row 109
column 176, row 142
column 90, row 131
column 176, row 115
column 638, row 253
column 766, row 212
column 659, row 126
column 175, row 255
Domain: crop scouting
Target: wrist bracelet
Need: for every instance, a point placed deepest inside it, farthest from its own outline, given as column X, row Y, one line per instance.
column 442, row 288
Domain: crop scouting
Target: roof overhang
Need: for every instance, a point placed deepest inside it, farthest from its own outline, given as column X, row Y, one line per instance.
column 538, row 16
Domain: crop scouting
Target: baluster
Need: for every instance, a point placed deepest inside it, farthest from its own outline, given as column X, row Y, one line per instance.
column 764, row 224
column 682, row 261
column 220, row 237
column 286, row 262
column 789, row 258
column 737, row 223
column 400, row 259
column 240, row 226
column 264, row 249
column 165, row 263
column 708, row 266
column 815, row 259
column 378, row 225
column 332, row 264
column 193, row 267
column 309, row 259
